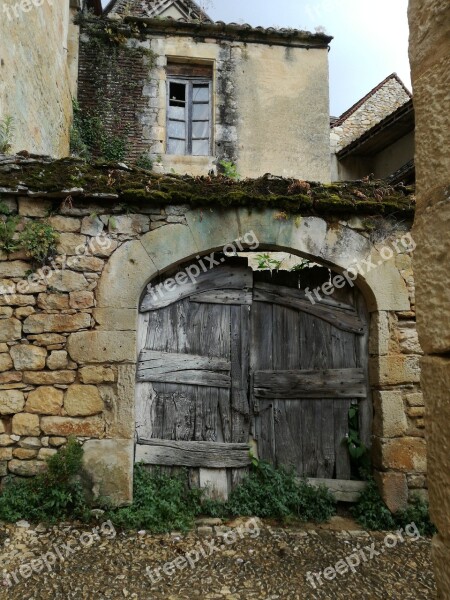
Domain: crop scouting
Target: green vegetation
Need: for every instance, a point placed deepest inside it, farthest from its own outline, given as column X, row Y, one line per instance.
column 51, row 496
column 275, row 493
column 8, row 239
column 266, row 262
column 372, row 513
column 90, row 137
column 6, row 134
column 39, row 240
column 138, row 187
column 144, row 162
column 229, row 170
column 160, row 503
column 359, row 453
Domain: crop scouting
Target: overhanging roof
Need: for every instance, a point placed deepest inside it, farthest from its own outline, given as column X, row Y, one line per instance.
column 383, row 134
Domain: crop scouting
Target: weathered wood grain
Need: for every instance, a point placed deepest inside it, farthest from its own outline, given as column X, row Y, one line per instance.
column 213, row 455
column 347, row 320
column 326, row 383
column 222, row 277
column 169, row 367
column 223, row 297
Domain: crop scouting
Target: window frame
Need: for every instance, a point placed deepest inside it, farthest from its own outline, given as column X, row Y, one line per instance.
column 190, row 82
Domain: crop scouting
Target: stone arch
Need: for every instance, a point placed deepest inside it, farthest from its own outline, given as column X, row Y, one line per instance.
column 135, row 263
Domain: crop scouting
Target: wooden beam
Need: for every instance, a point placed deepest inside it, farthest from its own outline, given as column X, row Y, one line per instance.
column 346, row 318
column 218, row 278
column 342, row 489
column 210, row 455
column 233, row 297
column 320, row 384
column 168, row 367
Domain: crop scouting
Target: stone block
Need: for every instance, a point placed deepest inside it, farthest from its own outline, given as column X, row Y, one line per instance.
column 26, row 468
column 11, row 402
column 65, row 224
column 85, row 263
column 182, row 245
column 406, row 454
column 45, row 400
column 5, row 362
column 102, row 346
column 40, row 323
column 96, row 375
column 389, row 414
column 436, row 386
column 10, row 330
column 10, row 377
column 57, row 360
column 68, row 281
column 83, row 401
column 394, row 489
column 68, row 426
column 415, row 399
column 81, row 300
column 440, row 552
column 47, row 339
column 394, row 369
column 29, row 207
column 379, row 333
column 25, row 424
column 119, row 319
column 92, row 226
column 24, row 453
column 129, row 224
column 6, row 440
column 71, row 243
column 53, row 301
column 30, row 442
column 125, row 276
column 108, row 469
column 45, row 453
column 6, row 453
column 48, row 377
column 14, row 268
column 28, row 358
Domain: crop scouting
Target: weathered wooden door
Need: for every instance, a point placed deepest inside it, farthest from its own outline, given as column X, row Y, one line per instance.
column 308, row 365
column 193, row 406
column 239, row 354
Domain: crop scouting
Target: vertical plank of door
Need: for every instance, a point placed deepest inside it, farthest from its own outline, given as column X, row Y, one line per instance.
column 362, row 355
column 260, row 359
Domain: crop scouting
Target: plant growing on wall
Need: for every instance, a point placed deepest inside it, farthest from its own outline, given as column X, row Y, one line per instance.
column 39, row 240
column 6, row 134
column 266, row 262
column 229, row 170
column 8, row 242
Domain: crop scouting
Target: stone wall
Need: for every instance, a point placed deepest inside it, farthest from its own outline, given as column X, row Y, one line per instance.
column 387, row 97
column 68, row 335
column 270, row 95
column 429, row 49
column 38, row 51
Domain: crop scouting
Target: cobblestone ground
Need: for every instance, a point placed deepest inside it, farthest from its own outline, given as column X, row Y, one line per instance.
column 251, row 560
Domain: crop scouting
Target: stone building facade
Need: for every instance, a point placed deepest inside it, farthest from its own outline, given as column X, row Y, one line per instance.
column 429, row 49
column 376, row 135
column 264, row 104
column 68, row 334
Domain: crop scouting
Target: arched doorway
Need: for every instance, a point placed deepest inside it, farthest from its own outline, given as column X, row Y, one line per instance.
column 236, row 359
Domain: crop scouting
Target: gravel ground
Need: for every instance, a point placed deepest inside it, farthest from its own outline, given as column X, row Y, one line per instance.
column 247, row 561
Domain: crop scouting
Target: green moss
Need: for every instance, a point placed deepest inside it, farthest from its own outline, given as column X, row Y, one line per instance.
column 139, row 187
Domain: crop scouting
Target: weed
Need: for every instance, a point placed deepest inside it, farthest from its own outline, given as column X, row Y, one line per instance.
column 266, row 262
column 160, row 503
column 39, row 240
column 6, row 134
column 144, row 162
column 8, row 240
column 229, row 170
column 50, row 496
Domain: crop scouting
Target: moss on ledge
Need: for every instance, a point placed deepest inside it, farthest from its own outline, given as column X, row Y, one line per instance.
column 65, row 177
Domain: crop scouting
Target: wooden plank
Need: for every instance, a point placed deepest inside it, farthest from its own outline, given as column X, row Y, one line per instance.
column 320, row 384
column 169, row 367
column 223, row 297
column 347, row 320
column 215, row 483
column 240, row 410
column 218, row 278
column 343, row 490
column 214, row 455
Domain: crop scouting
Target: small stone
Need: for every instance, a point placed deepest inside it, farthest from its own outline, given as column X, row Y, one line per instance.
column 45, row 400
column 48, row 377
column 6, row 453
column 66, row 426
column 12, row 401
column 28, row 358
column 24, row 312
column 26, row 468
column 57, row 360
column 97, row 375
column 83, row 400
column 24, row 453
column 10, row 329
column 23, row 524
column 57, row 441
column 47, row 339
column 40, row 323
column 45, row 453
column 26, row 424
column 53, row 301
column 5, row 362
column 204, row 531
column 81, row 299
column 30, row 442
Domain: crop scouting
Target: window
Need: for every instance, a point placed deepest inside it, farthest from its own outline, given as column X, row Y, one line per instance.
column 189, row 111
